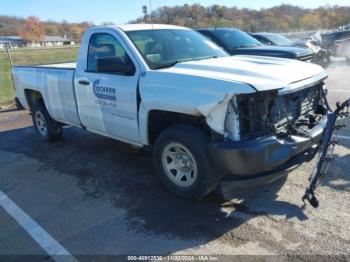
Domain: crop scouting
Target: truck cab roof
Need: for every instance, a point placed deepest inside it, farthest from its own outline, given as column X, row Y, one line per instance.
column 137, row 27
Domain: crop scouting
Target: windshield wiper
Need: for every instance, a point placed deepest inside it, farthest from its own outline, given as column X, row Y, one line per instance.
column 241, row 46
column 168, row 65
column 184, row 60
column 246, row 46
column 206, row 57
column 174, row 63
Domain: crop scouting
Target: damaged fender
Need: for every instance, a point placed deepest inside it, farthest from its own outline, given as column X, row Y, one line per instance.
column 215, row 114
column 189, row 94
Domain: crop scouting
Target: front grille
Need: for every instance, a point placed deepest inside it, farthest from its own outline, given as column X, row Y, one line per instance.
column 265, row 113
column 307, row 58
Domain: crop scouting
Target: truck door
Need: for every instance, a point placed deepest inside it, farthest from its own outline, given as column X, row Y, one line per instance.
column 106, row 87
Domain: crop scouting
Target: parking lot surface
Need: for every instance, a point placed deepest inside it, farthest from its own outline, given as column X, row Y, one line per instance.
column 97, row 196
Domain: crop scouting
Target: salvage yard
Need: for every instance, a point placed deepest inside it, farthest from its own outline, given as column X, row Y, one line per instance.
column 90, row 195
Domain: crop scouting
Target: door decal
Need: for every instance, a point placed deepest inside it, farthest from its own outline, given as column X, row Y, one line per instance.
column 104, row 92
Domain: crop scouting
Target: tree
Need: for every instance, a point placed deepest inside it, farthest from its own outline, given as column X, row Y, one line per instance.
column 75, row 32
column 51, row 29
column 33, row 30
column 311, row 21
column 280, row 18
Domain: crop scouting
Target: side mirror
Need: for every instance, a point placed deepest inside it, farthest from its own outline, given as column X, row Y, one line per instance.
column 115, row 65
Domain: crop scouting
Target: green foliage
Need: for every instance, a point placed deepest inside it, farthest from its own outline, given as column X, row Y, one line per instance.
column 30, row 57
column 10, row 25
column 281, row 18
column 6, row 90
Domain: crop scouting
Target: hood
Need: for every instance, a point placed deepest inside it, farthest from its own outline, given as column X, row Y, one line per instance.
column 262, row 73
column 279, row 51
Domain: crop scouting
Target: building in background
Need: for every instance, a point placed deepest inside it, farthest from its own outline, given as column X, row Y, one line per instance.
column 48, row 41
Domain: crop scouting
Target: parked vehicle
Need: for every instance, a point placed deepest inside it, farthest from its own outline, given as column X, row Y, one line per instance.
column 342, row 49
column 272, row 39
column 321, row 56
column 207, row 116
column 236, row 42
column 329, row 39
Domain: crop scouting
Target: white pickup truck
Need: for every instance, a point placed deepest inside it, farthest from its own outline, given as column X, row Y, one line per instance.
column 206, row 115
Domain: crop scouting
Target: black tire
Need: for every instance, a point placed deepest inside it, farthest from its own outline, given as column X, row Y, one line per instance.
column 195, row 141
column 322, row 59
column 53, row 128
column 325, row 61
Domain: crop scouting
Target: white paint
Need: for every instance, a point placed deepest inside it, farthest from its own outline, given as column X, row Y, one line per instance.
column 44, row 239
column 195, row 88
column 136, row 27
column 216, row 114
column 257, row 71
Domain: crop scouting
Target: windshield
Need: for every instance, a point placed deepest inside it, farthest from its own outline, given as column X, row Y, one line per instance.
column 165, row 47
column 236, row 38
column 279, row 39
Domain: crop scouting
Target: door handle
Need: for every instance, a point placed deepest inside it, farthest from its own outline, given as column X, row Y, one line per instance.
column 83, row 82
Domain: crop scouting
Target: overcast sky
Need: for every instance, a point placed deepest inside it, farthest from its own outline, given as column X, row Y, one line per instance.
column 121, row 11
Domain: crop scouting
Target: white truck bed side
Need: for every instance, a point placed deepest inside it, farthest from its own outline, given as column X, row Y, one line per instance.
column 56, row 87
column 71, row 65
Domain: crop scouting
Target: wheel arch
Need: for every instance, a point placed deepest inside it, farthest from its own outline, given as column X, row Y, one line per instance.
column 159, row 120
column 32, row 97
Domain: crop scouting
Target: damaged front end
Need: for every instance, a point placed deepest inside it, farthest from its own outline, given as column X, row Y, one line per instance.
column 268, row 113
column 264, row 130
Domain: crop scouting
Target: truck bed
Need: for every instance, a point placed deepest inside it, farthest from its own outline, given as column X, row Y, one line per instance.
column 71, row 65
column 55, row 83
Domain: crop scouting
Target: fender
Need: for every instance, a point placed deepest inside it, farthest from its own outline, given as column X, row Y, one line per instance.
column 187, row 94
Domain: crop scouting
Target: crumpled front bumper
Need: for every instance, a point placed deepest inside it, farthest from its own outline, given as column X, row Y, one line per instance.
column 252, row 157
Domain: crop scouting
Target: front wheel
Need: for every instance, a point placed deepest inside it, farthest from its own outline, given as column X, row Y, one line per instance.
column 49, row 129
column 182, row 163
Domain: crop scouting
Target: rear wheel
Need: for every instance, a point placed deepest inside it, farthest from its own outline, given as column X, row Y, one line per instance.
column 49, row 129
column 182, row 163
column 322, row 59
column 325, row 61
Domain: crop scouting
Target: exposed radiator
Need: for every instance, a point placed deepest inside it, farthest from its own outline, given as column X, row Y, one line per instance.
column 265, row 113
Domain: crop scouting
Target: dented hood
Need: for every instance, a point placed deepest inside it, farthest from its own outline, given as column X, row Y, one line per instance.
column 263, row 73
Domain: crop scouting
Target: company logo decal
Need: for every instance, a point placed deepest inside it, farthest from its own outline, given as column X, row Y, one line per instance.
column 104, row 92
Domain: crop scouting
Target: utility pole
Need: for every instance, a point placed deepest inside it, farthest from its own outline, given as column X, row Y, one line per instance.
column 150, row 11
column 144, row 11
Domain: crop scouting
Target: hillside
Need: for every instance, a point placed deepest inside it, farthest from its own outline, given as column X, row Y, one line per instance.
column 281, row 18
column 10, row 25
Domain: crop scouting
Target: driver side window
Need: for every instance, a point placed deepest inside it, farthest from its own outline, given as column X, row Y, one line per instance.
column 105, row 47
